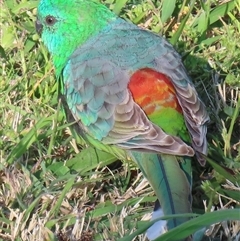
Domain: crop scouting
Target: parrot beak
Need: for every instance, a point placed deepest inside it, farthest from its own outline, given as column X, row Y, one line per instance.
column 39, row 27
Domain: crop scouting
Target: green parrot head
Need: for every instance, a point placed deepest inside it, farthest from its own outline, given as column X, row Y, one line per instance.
column 66, row 24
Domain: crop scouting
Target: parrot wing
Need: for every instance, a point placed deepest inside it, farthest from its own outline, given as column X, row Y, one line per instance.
column 97, row 83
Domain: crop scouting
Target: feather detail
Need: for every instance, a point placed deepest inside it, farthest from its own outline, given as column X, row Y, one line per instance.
column 171, row 184
column 127, row 88
column 109, row 71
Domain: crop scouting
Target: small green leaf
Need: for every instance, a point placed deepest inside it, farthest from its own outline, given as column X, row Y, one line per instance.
column 228, row 110
column 67, row 187
column 24, row 5
column 220, row 11
column 177, row 34
column 202, row 22
column 2, row 53
column 58, row 168
column 167, row 9
column 234, row 194
column 90, row 158
column 119, row 6
column 221, row 170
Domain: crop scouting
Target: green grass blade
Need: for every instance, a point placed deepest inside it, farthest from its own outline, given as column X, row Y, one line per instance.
column 66, row 189
column 119, row 6
column 177, row 34
column 144, row 227
column 221, row 170
column 221, row 11
column 167, row 9
column 90, row 158
column 190, row 227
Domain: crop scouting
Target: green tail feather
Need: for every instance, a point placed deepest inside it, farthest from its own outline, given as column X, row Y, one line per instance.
column 170, row 177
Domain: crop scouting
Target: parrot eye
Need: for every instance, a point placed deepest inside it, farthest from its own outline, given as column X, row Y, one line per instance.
column 50, row 20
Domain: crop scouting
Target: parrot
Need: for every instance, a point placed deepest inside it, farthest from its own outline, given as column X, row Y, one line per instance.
column 126, row 87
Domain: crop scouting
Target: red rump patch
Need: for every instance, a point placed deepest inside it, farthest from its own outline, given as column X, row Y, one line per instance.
column 152, row 91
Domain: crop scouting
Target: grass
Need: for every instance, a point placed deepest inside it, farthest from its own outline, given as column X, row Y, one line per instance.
column 55, row 187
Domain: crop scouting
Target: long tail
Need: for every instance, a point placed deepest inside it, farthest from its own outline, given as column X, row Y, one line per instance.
column 170, row 178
